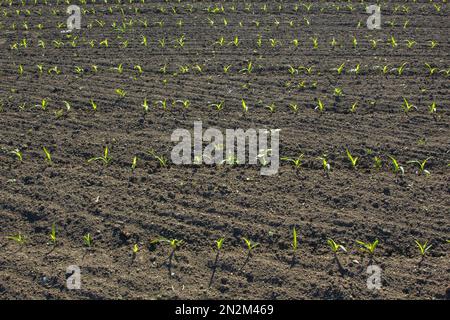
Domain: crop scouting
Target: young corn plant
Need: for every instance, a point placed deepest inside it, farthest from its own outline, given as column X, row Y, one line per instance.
column 134, row 250
column 320, row 106
column 340, row 69
column 421, row 166
column 248, row 69
column 315, row 42
column 174, row 243
column 121, row 93
column 325, row 164
column 296, row 162
column 294, row 243
column 354, row 107
column 217, row 248
column 377, row 162
column 401, row 68
column 432, row 108
column 18, row 154
column 368, row 247
column 145, row 105
column 218, row 106
column 18, row 238
column 87, row 240
column 353, row 160
column 294, row 107
column 52, row 235
column 48, row 156
column 219, row 244
column 250, row 245
column 407, row 107
column 93, row 105
column 244, row 106
column 431, row 70
column 162, row 161
column 423, row 248
column 396, row 167
column 335, row 247
column 106, row 159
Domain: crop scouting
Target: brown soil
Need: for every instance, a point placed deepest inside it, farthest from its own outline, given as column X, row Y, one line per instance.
column 200, row 204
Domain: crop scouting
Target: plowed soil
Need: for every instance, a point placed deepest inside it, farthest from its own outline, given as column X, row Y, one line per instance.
column 198, row 204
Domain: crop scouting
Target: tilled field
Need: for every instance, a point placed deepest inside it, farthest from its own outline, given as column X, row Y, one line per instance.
column 196, row 61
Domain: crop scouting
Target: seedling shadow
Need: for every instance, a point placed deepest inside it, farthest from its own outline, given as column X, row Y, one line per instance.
column 341, row 269
column 50, row 251
column 293, row 261
column 169, row 261
column 211, row 280
column 249, row 254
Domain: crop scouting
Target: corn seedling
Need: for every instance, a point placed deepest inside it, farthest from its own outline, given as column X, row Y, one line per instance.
column 353, row 107
column 421, row 166
column 407, row 107
column 305, row 69
column 368, row 247
column 145, row 105
column 219, row 244
column 218, row 106
column 244, row 106
column 340, row 68
column 272, row 108
column 119, row 68
column 162, row 161
column 134, row 163
column 93, row 105
column 294, row 244
column 87, row 240
column 53, row 234
column 320, row 106
column 20, row 70
column 423, row 248
column 353, row 160
column 432, row 108
column 135, row 249
column 335, row 247
column 354, row 42
column 401, row 68
column 377, row 163
column 48, row 156
column 433, row 44
column 373, row 43
column 431, row 69
column 410, row 43
column 296, row 162
column 315, row 42
column 106, row 159
column 121, row 93
column 163, row 103
column 325, row 164
column 337, row 92
column 393, row 42
column 250, row 245
column 18, row 154
column 174, row 243
column 19, row 238
column 248, row 68
column 396, row 168
column 293, row 107
column 138, row 68
column 44, row 104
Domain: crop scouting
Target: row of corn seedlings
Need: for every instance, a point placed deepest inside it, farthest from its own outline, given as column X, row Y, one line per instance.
column 296, row 162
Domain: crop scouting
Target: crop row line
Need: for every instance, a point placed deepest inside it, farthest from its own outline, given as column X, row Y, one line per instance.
column 297, row 162
column 366, row 248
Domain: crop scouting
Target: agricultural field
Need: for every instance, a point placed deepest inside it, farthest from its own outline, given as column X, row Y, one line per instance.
column 87, row 181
